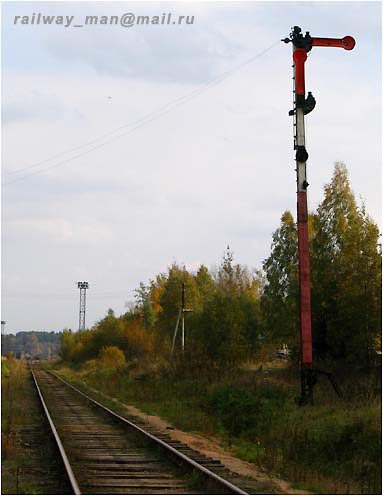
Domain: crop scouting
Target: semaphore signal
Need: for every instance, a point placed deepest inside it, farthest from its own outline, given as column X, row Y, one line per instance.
column 303, row 105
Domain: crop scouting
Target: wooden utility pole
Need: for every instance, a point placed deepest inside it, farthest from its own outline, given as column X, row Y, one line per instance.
column 181, row 314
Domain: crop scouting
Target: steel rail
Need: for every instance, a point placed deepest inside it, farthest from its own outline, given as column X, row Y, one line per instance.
column 218, row 480
column 71, row 476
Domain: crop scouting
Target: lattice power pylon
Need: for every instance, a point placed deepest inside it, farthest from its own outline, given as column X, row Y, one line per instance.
column 83, row 286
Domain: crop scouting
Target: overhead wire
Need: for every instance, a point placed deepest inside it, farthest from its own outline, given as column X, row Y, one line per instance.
column 147, row 119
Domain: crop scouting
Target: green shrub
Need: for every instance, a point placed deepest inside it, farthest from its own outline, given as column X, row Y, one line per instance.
column 243, row 410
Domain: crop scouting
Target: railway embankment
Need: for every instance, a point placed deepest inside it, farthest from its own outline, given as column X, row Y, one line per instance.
column 331, row 447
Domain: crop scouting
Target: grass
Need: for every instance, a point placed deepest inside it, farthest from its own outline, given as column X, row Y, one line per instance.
column 12, row 406
column 332, row 447
column 29, row 458
column 13, row 415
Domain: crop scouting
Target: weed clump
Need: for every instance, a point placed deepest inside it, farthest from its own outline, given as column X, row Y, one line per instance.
column 244, row 411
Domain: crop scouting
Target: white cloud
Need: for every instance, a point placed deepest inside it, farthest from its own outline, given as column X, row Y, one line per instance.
column 61, row 231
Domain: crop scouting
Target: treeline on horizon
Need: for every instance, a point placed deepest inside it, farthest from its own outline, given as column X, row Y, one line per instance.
column 36, row 344
column 237, row 311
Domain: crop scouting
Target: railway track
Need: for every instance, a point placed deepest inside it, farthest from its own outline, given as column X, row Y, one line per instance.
column 106, row 453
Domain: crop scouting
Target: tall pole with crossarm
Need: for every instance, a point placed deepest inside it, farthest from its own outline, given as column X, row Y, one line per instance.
column 304, row 105
column 182, row 311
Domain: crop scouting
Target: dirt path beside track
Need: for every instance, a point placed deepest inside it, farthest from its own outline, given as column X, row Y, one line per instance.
column 211, row 447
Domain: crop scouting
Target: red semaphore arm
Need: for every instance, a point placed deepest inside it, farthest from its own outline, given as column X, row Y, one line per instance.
column 347, row 42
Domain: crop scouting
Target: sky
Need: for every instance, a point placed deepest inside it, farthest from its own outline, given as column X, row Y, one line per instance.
column 125, row 149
